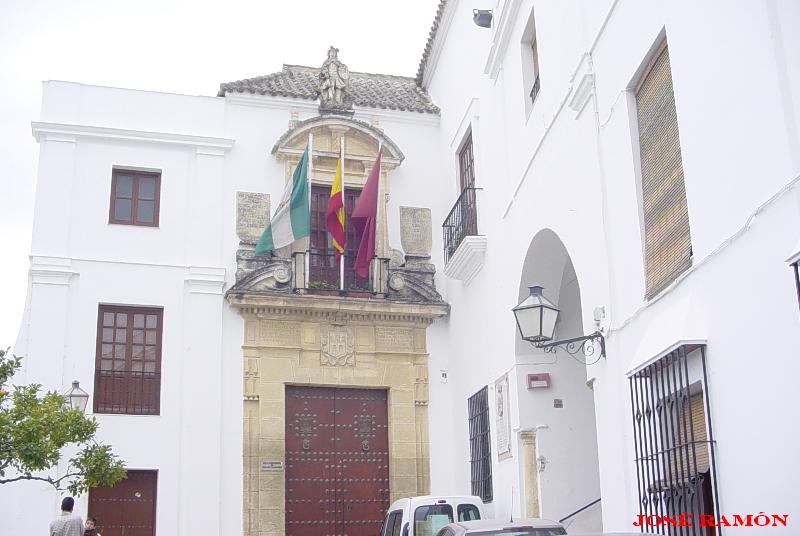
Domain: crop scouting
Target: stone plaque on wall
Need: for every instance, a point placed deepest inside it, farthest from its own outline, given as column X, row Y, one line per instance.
column 415, row 231
column 252, row 215
column 394, row 339
column 277, row 333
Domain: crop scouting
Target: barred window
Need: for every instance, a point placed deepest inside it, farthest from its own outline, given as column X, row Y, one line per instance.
column 667, row 239
column 128, row 360
column 673, row 440
column 480, row 452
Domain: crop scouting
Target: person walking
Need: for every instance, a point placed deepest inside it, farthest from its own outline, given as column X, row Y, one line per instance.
column 67, row 524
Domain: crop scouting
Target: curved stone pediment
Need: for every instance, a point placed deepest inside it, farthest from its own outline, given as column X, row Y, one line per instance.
column 362, row 140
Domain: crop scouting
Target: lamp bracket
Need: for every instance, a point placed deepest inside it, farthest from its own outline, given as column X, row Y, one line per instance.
column 587, row 345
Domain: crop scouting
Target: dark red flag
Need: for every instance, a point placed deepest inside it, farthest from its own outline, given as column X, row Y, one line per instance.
column 365, row 213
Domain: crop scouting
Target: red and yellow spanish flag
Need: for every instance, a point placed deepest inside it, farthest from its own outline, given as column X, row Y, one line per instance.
column 334, row 218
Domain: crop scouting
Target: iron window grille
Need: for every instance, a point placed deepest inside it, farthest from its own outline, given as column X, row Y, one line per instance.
column 673, row 440
column 127, row 376
column 480, row 451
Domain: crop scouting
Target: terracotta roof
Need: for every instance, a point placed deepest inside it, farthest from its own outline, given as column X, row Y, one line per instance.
column 431, row 38
column 369, row 90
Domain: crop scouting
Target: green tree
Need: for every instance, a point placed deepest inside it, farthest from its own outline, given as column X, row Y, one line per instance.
column 33, row 430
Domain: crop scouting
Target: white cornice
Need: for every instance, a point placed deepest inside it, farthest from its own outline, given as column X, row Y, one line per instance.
column 205, row 280
column 438, row 43
column 582, row 84
column 62, row 131
column 51, row 270
column 501, row 38
column 794, row 257
column 468, row 259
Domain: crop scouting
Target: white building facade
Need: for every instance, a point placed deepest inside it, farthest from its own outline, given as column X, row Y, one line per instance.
column 555, row 99
column 543, row 158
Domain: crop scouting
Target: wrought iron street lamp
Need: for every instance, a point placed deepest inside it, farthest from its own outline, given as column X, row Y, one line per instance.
column 536, row 319
column 77, row 397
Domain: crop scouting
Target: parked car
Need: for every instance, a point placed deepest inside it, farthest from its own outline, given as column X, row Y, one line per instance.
column 424, row 516
column 497, row 527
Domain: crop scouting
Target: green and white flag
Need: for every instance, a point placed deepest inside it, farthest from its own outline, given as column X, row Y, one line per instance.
column 291, row 219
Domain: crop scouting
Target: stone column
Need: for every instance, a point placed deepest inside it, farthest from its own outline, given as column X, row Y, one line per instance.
column 530, row 473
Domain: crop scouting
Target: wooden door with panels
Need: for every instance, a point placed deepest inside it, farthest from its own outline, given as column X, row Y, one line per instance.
column 128, row 508
column 337, row 461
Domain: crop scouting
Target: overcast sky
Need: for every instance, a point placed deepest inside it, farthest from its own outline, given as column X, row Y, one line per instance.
column 178, row 47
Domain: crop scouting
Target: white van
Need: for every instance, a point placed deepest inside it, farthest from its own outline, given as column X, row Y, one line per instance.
column 424, row 516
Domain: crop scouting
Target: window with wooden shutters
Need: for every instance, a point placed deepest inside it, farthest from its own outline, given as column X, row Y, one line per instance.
column 480, row 452
column 667, row 240
column 128, row 362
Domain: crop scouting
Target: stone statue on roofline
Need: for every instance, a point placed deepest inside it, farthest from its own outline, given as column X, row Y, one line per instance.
column 334, row 85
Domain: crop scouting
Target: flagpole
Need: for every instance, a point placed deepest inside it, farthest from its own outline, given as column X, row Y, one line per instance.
column 308, row 179
column 374, row 270
column 344, row 222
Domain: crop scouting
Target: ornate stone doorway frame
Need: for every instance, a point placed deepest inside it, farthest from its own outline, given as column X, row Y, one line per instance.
column 339, row 342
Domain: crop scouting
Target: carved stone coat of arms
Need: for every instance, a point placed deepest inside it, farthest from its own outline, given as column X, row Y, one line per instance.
column 338, row 346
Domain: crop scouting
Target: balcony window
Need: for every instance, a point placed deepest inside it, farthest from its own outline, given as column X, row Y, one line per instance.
column 324, row 271
column 128, row 360
column 463, row 218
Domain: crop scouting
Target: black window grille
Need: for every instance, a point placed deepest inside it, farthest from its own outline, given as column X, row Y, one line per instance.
column 673, row 441
column 480, row 451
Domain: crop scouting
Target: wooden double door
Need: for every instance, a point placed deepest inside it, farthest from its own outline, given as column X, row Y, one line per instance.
column 128, row 508
column 337, row 461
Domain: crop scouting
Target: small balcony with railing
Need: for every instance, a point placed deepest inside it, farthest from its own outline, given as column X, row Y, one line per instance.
column 464, row 247
column 309, row 275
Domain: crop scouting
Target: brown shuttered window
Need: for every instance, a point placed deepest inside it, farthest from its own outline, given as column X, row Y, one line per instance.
column 668, row 245
column 480, row 452
column 127, row 375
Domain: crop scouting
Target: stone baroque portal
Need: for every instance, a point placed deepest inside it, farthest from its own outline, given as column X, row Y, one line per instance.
column 299, row 479
column 301, row 345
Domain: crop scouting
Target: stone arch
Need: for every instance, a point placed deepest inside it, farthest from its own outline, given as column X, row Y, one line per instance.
column 362, row 139
column 567, row 445
column 549, row 264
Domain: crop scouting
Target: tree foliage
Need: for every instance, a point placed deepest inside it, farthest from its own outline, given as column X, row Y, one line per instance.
column 35, row 427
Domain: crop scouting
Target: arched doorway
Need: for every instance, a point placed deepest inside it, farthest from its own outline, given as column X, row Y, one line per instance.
column 556, row 406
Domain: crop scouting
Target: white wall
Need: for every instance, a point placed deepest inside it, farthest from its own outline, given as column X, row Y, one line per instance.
column 736, row 92
column 207, row 149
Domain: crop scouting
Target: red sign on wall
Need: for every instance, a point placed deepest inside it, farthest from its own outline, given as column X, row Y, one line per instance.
column 537, row 381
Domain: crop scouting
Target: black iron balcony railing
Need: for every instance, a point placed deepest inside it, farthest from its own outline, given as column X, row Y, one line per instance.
column 317, row 272
column 535, row 89
column 461, row 222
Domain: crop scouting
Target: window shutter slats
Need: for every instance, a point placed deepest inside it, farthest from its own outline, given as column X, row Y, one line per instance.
column 668, row 246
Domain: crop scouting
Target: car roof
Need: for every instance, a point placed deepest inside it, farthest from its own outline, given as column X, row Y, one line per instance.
column 480, row 524
column 401, row 503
